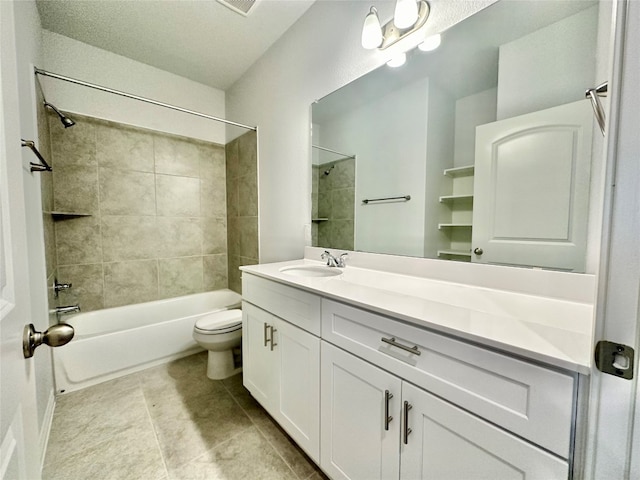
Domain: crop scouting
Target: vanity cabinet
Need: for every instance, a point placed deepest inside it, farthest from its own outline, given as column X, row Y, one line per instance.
column 377, row 426
column 281, row 365
column 369, row 396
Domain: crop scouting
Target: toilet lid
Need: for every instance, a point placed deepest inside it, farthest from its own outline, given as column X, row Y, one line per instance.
column 223, row 321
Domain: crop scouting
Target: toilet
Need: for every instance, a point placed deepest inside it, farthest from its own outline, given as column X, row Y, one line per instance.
column 221, row 334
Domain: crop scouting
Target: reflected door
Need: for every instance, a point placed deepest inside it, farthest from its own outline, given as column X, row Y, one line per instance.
column 531, row 189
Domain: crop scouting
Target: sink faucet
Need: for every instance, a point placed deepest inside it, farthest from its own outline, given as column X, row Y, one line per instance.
column 333, row 261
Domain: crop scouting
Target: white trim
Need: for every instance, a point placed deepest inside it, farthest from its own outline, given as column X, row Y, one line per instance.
column 45, row 431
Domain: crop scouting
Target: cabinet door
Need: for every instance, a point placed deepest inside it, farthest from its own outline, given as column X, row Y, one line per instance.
column 298, row 354
column 355, row 443
column 447, row 442
column 260, row 373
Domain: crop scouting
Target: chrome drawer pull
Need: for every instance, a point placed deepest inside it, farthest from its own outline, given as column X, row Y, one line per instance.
column 266, row 338
column 392, row 341
column 273, row 330
column 387, row 418
column 407, row 430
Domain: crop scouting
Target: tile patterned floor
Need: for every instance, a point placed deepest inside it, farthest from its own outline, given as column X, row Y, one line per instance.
column 170, row 423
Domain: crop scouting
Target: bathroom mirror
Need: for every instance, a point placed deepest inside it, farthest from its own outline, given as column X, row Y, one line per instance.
column 483, row 150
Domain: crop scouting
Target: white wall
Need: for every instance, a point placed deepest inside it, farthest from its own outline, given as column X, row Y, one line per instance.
column 524, row 87
column 471, row 111
column 317, row 55
column 29, row 53
column 75, row 59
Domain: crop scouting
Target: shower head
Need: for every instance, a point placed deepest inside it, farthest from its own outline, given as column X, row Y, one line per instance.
column 328, row 170
column 66, row 121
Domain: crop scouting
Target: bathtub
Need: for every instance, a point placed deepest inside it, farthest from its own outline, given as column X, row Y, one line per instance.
column 117, row 341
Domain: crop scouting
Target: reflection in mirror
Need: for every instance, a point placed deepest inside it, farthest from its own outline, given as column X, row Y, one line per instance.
column 490, row 135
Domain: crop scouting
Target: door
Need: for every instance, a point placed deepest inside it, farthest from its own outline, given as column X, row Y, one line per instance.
column 260, row 375
column 447, row 442
column 531, row 189
column 19, row 451
column 355, row 443
column 298, row 359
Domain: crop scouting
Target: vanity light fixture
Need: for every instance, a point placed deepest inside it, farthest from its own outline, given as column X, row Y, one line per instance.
column 430, row 43
column 398, row 60
column 410, row 16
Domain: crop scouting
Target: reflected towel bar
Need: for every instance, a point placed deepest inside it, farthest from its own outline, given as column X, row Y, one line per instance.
column 43, row 166
column 404, row 197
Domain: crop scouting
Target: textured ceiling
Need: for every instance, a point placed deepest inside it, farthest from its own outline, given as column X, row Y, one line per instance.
column 201, row 40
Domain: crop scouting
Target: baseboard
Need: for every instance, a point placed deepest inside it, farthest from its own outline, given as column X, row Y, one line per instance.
column 46, row 427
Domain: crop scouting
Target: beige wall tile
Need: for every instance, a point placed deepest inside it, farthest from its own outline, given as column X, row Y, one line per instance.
column 214, row 235
column 128, row 238
column 126, row 283
column 124, row 148
column 49, row 230
column 248, row 228
column 78, row 241
column 180, row 276
column 213, row 199
column 232, row 159
column 178, row 236
column 215, row 272
column 46, row 190
column 212, row 162
column 235, row 282
column 125, row 192
column 75, row 145
column 233, row 235
column 75, row 189
column 247, row 153
column 87, row 288
column 248, row 196
column 342, row 203
column 232, row 197
column 176, row 156
column 177, row 196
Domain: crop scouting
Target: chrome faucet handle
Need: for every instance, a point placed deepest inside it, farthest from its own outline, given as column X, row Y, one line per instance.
column 60, row 286
column 342, row 260
column 331, row 260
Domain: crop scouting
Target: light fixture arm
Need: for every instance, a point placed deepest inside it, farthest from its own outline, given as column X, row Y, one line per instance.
column 392, row 34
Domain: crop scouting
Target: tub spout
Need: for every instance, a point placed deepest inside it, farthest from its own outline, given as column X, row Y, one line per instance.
column 65, row 310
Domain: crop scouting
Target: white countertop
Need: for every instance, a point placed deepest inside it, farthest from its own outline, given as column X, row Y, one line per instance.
column 549, row 330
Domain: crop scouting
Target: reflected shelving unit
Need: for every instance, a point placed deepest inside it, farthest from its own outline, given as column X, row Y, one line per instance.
column 459, row 218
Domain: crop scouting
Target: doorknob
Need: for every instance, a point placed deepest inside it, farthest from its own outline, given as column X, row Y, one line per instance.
column 54, row 336
column 478, row 251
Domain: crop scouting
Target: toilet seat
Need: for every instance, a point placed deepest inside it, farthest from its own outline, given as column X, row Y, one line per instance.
column 217, row 323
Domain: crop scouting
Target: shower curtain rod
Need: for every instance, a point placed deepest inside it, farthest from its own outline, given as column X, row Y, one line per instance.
column 45, row 73
column 346, row 155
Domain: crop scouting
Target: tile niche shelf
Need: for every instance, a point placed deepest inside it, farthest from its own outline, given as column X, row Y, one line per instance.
column 67, row 215
column 458, row 221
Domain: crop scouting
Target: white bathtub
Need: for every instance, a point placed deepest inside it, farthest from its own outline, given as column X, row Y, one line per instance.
column 117, row 341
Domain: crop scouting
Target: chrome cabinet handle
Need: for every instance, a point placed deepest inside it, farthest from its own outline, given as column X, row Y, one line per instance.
column 266, row 338
column 407, row 430
column 273, row 330
column 392, row 341
column 387, row 418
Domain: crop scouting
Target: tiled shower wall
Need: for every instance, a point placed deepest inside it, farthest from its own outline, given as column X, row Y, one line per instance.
column 143, row 214
column 333, row 206
column 242, row 205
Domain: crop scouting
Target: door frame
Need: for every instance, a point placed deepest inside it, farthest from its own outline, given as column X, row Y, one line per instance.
column 613, row 424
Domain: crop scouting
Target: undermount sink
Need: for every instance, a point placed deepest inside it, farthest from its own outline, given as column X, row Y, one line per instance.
column 311, row 271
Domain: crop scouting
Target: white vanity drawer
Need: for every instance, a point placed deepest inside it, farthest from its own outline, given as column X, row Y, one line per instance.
column 532, row 401
column 293, row 305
